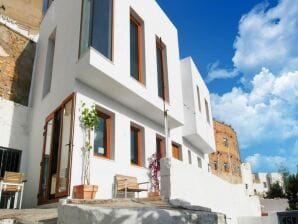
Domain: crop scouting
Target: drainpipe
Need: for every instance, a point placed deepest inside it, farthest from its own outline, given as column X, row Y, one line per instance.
column 168, row 154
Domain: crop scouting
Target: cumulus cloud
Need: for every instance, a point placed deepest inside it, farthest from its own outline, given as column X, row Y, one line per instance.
column 272, row 163
column 267, row 111
column 267, row 37
column 287, row 157
column 218, row 73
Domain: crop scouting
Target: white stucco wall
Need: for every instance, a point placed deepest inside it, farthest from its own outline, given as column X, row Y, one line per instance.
column 13, row 127
column 103, row 171
column 247, row 178
column 64, row 19
column 259, row 187
column 196, row 127
column 204, row 189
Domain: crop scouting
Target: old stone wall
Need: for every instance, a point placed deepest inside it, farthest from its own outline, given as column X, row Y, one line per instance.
column 225, row 162
column 27, row 13
column 16, row 65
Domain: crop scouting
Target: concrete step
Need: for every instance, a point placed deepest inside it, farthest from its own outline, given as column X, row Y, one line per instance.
column 134, row 212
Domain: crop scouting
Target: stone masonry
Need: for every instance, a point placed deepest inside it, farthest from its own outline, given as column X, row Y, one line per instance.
column 16, row 64
column 226, row 146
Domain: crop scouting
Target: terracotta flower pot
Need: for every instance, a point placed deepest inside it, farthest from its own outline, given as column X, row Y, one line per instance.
column 154, row 194
column 85, row 191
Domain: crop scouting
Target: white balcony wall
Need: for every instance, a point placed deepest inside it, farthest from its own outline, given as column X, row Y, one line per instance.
column 196, row 128
column 207, row 190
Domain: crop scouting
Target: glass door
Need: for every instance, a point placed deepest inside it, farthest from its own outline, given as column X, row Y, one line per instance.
column 55, row 165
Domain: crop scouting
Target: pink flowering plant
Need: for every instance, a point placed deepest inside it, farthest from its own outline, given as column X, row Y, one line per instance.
column 154, row 168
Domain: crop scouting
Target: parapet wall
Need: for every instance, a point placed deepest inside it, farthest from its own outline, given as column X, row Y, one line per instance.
column 191, row 184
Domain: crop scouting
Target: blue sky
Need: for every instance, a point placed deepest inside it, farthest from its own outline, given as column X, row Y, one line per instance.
column 247, row 52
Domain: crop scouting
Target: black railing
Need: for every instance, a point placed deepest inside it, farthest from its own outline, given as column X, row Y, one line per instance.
column 10, row 160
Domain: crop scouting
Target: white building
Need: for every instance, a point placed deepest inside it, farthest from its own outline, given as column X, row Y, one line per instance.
column 122, row 56
column 247, row 178
column 263, row 181
column 70, row 69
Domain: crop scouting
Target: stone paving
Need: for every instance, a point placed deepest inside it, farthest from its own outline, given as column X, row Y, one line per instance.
column 28, row 216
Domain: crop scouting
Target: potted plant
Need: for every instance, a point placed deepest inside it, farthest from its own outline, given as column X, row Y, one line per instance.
column 89, row 122
column 154, row 169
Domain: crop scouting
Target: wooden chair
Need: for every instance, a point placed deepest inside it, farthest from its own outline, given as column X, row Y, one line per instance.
column 125, row 184
column 12, row 183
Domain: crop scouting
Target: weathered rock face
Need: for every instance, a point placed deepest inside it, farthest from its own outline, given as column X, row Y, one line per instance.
column 16, row 65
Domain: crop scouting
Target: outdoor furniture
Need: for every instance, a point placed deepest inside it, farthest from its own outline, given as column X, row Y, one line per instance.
column 12, row 183
column 125, row 184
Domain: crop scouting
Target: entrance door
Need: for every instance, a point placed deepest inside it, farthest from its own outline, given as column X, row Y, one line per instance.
column 55, row 164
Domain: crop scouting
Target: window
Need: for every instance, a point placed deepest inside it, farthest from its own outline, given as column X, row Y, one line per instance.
column 135, row 145
column 136, row 50
column 162, row 83
column 265, row 185
column 97, row 26
column 207, row 111
column 102, row 136
column 189, row 157
column 215, row 165
column 226, row 167
column 160, row 147
column 49, row 64
column 199, row 162
column 199, row 98
column 176, row 151
column 225, row 141
column 246, row 186
column 10, row 160
column 46, row 5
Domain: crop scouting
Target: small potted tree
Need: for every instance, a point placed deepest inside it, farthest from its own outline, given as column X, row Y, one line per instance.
column 154, row 169
column 89, row 122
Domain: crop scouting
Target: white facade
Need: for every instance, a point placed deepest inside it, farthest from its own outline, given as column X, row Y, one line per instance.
column 14, row 128
column 198, row 126
column 107, row 84
column 94, row 79
column 247, row 178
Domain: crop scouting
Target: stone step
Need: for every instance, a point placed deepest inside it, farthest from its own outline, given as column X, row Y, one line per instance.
column 134, row 212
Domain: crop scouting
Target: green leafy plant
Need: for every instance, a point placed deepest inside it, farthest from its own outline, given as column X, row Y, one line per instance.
column 275, row 191
column 89, row 122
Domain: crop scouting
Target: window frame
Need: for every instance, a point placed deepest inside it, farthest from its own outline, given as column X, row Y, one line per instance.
column 200, row 163
column 189, row 157
column 80, row 54
column 161, row 141
column 161, row 47
column 199, row 98
column 51, row 116
column 139, row 145
column 108, row 132
column 179, row 150
column 207, row 111
column 139, row 24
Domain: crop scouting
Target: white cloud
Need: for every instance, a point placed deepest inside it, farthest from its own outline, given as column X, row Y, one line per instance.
column 287, row 157
column 217, row 73
column 267, row 111
column 266, row 38
column 272, row 163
